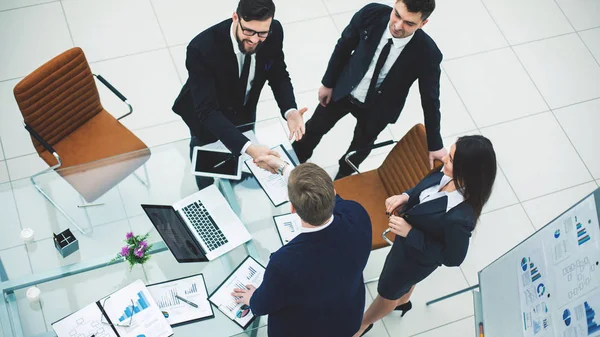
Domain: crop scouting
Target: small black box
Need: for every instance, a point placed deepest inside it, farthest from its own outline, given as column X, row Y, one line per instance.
column 66, row 243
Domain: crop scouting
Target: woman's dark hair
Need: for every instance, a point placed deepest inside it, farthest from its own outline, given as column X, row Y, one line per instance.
column 260, row 10
column 474, row 170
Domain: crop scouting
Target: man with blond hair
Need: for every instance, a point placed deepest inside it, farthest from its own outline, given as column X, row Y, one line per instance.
column 313, row 286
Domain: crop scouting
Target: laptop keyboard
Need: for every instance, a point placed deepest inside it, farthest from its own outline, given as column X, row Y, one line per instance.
column 204, row 225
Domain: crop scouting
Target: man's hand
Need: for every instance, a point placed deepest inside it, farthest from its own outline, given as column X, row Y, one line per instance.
column 243, row 295
column 295, row 123
column 325, row 95
column 269, row 163
column 439, row 154
column 399, row 226
column 256, row 151
column 394, row 202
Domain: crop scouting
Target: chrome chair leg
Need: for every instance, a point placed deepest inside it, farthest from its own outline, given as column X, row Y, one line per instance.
column 32, row 178
column 144, row 182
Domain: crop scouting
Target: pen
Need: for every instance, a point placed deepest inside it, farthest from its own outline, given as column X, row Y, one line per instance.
column 186, row 301
column 480, row 329
column 223, row 162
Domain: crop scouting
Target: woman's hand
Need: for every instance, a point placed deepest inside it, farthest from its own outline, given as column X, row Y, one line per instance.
column 394, row 202
column 399, row 226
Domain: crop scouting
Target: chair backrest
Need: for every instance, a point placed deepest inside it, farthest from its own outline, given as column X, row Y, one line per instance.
column 58, row 97
column 407, row 163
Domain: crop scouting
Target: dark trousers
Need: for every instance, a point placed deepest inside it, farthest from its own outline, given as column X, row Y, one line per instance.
column 201, row 182
column 365, row 133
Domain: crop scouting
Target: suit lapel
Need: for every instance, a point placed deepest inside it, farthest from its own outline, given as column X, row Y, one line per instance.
column 372, row 37
column 406, row 57
column 230, row 65
column 421, row 186
column 434, row 206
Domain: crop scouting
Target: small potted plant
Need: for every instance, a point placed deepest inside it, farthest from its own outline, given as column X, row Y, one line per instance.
column 136, row 250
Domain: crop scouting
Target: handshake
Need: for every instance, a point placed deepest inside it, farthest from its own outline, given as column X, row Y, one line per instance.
column 271, row 162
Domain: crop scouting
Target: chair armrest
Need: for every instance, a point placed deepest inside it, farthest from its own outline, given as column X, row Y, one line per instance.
column 383, row 235
column 44, row 143
column 372, row 147
column 117, row 93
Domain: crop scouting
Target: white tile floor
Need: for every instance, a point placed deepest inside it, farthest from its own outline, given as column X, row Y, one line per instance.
column 526, row 75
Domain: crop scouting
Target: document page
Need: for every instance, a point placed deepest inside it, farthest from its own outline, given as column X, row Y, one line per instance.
column 182, row 300
column 85, row 322
column 273, row 184
column 135, row 313
column 288, row 226
column 248, row 272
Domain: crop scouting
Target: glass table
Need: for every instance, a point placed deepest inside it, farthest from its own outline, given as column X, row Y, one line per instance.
column 68, row 284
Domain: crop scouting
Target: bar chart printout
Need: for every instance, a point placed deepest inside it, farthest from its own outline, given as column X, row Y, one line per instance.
column 248, row 272
column 288, row 226
column 177, row 311
column 138, row 306
column 143, row 317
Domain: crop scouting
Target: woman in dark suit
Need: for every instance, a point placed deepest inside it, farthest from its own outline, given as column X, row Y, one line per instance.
column 433, row 223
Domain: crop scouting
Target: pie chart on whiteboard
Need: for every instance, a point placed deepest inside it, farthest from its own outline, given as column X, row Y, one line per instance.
column 567, row 317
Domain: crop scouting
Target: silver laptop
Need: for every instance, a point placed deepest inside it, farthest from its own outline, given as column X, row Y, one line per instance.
column 200, row 227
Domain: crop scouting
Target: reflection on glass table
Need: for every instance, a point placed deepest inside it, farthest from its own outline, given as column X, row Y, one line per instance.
column 68, row 284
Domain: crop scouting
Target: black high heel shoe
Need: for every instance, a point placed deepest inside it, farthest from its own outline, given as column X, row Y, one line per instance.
column 367, row 329
column 404, row 308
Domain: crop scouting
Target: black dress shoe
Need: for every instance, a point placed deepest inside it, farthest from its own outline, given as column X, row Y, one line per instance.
column 404, row 308
column 367, row 329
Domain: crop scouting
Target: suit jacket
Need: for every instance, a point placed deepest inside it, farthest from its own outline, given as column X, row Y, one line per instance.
column 437, row 236
column 420, row 60
column 313, row 286
column 209, row 101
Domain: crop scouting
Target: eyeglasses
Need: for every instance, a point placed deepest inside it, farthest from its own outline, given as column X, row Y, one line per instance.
column 127, row 324
column 250, row 32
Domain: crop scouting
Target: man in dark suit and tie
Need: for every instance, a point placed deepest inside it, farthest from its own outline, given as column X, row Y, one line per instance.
column 378, row 57
column 313, row 286
column 228, row 65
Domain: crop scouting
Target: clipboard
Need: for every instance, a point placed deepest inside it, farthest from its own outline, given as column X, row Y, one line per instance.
column 176, row 311
column 254, row 169
column 243, row 317
column 287, row 231
column 94, row 319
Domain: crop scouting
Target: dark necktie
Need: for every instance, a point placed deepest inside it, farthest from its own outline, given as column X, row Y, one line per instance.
column 380, row 61
column 244, row 77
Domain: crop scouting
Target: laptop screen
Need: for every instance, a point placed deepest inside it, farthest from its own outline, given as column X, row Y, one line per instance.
column 175, row 233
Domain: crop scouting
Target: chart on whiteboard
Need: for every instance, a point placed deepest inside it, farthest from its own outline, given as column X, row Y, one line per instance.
column 574, row 242
column 559, row 280
column 535, row 293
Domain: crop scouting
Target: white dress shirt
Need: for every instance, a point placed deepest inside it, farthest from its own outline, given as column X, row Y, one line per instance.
column 433, row 192
column 240, row 58
column 398, row 44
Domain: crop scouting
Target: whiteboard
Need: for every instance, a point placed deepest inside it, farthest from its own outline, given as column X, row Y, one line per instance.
column 549, row 284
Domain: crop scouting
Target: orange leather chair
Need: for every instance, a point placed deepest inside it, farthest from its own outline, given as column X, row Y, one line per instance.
column 405, row 165
column 72, row 132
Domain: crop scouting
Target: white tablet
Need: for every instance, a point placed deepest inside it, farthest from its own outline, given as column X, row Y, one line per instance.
column 216, row 163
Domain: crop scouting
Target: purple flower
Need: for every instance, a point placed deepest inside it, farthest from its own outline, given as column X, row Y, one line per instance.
column 125, row 251
column 143, row 245
column 139, row 252
column 129, row 235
